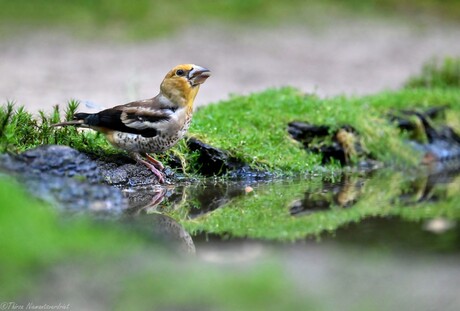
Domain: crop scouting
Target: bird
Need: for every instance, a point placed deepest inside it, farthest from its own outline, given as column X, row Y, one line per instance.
column 151, row 125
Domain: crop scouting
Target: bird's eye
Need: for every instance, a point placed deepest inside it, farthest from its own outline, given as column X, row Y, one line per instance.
column 180, row 72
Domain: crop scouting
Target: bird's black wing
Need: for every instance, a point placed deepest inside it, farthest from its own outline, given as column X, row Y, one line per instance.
column 135, row 120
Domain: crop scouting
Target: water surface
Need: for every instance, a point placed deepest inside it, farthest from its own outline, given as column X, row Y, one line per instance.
column 416, row 211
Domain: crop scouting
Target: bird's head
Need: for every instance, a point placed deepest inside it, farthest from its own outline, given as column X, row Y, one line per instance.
column 181, row 83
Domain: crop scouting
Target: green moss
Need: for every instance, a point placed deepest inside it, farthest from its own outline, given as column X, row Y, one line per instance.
column 253, row 128
column 437, row 74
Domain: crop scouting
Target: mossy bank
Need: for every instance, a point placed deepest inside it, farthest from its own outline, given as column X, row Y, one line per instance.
column 253, row 129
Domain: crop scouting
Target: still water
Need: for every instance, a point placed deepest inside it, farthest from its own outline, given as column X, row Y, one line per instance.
column 414, row 211
column 384, row 240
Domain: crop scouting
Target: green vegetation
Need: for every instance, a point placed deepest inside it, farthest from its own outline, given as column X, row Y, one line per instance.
column 147, row 18
column 35, row 241
column 20, row 130
column 253, row 128
column 437, row 74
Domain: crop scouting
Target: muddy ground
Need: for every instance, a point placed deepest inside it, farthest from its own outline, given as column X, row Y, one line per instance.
column 353, row 57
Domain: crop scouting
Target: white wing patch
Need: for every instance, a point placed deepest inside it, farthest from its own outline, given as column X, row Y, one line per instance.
column 141, row 118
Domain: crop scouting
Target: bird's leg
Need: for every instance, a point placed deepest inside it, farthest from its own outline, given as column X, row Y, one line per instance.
column 155, row 162
column 155, row 201
column 136, row 156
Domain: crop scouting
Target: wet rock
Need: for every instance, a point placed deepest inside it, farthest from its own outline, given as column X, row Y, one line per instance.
column 122, row 171
column 76, row 196
column 213, row 161
column 64, row 177
column 126, row 175
column 440, row 145
column 344, row 145
column 52, row 160
column 306, row 132
column 76, row 181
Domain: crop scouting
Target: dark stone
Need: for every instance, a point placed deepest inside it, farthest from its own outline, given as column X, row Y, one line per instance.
column 305, row 132
column 122, row 171
column 333, row 151
column 338, row 149
column 212, row 161
column 64, row 177
column 402, row 117
column 443, row 148
column 126, row 175
column 52, row 160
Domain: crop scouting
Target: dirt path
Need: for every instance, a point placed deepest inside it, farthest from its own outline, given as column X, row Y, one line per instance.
column 45, row 69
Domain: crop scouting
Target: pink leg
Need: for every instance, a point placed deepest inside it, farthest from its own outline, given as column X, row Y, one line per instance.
column 159, row 174
column 156, row 200
column 155, row 162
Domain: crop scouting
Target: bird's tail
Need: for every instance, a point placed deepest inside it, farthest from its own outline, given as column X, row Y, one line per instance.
column 79, row 120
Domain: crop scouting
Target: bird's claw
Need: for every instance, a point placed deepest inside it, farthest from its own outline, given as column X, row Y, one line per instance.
column 155, row 166
column 155, row 162
column 160, row 175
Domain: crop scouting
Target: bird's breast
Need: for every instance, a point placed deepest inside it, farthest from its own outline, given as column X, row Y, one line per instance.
column 169, row 133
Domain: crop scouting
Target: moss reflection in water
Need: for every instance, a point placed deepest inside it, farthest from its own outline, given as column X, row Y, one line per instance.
column 298, row 209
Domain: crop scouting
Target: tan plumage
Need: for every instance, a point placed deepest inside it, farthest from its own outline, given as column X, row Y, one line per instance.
column 150, row 125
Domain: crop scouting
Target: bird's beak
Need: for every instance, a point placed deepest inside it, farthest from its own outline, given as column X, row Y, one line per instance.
column 198, row 75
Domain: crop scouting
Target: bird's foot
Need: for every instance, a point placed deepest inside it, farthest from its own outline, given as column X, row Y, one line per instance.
column 159, row 174
column 155, row 162
column 157, row 199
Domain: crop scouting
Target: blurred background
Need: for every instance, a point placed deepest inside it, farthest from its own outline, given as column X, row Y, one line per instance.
column 110, row 52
